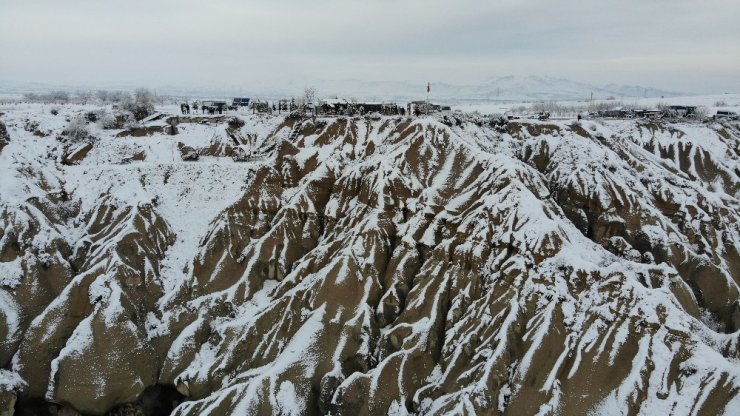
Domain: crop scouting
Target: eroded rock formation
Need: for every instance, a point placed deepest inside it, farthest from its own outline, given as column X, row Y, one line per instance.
column 447, row 265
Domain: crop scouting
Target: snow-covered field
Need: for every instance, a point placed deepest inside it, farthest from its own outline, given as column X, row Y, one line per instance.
column 732, row 103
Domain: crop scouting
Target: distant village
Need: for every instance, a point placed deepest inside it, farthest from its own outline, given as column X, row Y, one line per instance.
column 345, row 107
column 325, row 107
column 309, row 105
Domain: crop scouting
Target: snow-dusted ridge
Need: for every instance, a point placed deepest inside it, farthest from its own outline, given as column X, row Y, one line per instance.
column 381, row 265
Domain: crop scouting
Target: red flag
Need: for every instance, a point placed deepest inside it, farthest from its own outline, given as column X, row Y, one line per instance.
column 429, row 88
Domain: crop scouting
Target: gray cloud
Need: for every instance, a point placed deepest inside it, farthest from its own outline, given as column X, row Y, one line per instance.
column 673, row 44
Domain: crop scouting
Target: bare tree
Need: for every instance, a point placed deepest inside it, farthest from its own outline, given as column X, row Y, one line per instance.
column 140, row 104
column 60, row 97
column 76, row 130
column 110, row 96
column 103, row 96
column 701, row 112
column 84, row 96
column 309, row 95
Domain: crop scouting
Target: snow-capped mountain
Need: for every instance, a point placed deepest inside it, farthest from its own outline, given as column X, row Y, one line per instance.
column 443, row 265
column 508, row 88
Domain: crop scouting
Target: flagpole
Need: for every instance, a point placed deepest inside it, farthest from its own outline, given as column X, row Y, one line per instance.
column 427, row 106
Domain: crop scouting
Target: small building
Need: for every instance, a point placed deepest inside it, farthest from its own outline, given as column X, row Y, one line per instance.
column 387, row 109
column 682, row 110
column 287, row 105
column 422, row 107
column 369, row 107
column 341, row 106
column 616, row 113
column 336, row 106
column 392, row 109
column 260, row 106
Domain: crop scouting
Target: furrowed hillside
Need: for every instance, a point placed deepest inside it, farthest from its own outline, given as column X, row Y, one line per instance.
column 455, row 264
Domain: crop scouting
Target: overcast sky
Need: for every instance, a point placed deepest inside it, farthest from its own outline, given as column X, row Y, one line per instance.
column 680, row 45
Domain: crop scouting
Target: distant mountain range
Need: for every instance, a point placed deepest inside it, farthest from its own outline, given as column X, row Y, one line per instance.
column 507, row 88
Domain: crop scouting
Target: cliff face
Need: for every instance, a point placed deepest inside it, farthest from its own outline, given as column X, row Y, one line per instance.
column 372, row 266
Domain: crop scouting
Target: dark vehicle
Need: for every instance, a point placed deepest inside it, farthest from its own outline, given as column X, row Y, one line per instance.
column 336, row 106
column 212, row 107
column 239, row 102
column 649, row 113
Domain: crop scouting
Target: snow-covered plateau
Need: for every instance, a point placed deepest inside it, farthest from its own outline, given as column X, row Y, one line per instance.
column 455, row 264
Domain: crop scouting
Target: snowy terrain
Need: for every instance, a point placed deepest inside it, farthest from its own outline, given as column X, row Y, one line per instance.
column 451, row 264
column 731, row 103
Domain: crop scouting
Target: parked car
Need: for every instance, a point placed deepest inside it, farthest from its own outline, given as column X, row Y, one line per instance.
column 731, row 115
column 239, row 102
column 213, row 107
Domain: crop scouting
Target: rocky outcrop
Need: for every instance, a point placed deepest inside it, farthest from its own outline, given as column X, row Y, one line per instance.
column 445, row 278
column 187, row 153
column 4, row 137
column 89, row 348
column 76, row 153
column 647, row 203
column 390, row 266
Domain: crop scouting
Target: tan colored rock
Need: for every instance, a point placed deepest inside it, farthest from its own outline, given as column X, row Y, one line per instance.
column 371, row 266
column 4, row 137
column 76, row 154
column 7, row 403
